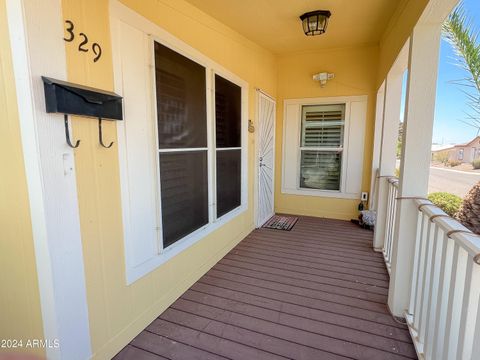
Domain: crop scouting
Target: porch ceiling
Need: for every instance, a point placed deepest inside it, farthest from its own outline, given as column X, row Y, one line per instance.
column 275, row 24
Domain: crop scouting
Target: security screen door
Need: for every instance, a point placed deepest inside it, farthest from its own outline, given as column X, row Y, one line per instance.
column 266, row 157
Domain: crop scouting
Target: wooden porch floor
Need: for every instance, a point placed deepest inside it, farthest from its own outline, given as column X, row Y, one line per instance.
column 316, row 292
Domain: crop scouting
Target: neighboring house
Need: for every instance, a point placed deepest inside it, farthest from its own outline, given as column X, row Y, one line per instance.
column 197, row 121
column 464, row 153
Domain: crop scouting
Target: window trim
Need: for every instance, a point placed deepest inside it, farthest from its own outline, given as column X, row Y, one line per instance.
column 347, row 100
column 121, row 13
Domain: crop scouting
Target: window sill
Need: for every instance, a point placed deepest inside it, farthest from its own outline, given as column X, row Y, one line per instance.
column 133, row 274
column 321, row 193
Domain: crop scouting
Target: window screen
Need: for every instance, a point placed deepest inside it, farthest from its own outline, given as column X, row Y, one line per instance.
column 228, row 102
column 181, row 100
column 184, row 190
column 182, row 139
column 228, row 180
column 322, row 146
column 227, row 113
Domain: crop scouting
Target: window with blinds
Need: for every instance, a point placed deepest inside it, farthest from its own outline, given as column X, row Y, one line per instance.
column 321, row 146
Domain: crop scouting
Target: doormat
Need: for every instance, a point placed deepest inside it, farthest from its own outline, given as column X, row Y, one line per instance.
column 277, row 222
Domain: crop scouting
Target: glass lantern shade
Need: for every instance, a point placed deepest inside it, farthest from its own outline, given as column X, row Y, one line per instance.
column 315, row 22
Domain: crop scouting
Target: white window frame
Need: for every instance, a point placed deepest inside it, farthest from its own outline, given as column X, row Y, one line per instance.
column 340, row 148
column 340, row 100
column 120, row 12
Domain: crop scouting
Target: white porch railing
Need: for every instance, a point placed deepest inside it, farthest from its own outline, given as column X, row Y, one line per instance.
column 444, row 315
column 390, row 221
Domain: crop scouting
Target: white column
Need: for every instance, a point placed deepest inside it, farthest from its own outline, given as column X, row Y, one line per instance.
column 415, row 165
column 377, row 145
column 391, row 119
column 38, row 49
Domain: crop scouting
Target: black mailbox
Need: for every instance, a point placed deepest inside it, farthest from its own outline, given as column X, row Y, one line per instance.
column 73, row 99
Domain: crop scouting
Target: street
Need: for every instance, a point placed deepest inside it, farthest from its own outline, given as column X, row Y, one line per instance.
column 452, row 181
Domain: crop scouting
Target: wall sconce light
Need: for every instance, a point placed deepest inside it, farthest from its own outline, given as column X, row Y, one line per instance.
column 322, row 78
column 315, row 22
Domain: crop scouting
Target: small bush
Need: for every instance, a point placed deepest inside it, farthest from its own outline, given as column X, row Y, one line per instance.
column 453, row 163
column 449, row 203
column 476, row 164
column 441, row 157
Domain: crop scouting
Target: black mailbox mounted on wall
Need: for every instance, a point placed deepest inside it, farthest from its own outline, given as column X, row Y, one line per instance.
column 73, row 99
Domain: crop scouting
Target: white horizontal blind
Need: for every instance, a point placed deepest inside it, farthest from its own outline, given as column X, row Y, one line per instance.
column 322, row 146
column 322, row 126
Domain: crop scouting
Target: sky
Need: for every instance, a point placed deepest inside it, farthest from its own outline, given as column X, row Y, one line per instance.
column 451, row 103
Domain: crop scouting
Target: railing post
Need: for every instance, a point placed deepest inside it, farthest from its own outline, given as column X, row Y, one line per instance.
column 391, row 119
column 415, row 164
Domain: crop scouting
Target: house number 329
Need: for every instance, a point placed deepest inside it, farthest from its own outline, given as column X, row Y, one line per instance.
column 83, row 45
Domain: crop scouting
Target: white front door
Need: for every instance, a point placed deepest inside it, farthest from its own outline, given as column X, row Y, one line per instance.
column 266, row 157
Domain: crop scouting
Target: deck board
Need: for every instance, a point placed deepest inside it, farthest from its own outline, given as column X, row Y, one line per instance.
column 316, row 292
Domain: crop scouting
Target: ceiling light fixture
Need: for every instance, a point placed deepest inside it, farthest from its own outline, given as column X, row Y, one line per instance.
column 315, row 22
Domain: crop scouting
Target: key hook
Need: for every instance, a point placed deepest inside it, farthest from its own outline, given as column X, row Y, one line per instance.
column 100, row 135
column 67, row 134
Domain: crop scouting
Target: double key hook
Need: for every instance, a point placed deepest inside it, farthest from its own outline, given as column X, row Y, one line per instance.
column 77, row 143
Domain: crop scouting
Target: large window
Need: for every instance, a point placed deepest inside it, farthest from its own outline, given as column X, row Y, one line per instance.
column 321, row 146
column 184, row 147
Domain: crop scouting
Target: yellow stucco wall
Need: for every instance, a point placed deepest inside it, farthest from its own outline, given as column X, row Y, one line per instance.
column 355, row 72
column 20, row 313
column 118, row 312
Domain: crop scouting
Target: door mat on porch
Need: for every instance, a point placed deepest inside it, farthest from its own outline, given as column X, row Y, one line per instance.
column 278, row 222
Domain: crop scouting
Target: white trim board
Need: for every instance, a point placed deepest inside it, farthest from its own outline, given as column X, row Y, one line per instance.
column 51, row 180
column 142, row 224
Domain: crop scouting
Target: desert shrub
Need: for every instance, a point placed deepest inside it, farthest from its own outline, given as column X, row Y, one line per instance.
column 441, row 156
column 449, row 203
column 476, row 164
column 453, row 163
